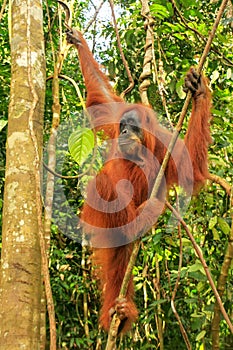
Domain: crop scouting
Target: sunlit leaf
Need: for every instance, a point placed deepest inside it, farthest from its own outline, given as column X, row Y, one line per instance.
column 229, row 73
column 180, row 91
column 213, row 221
column 215, row 234
column 3, row 123
column 214, row 76
column 196, row 267
column 224, row 227
column 81, row 144
column 159, row 11
column 200, row 335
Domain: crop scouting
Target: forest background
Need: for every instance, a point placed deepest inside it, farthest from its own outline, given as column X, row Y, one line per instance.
column 177, row 306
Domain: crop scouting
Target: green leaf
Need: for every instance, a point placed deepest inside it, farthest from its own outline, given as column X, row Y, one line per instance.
column 201, row 335
column 2, row 124
column 179, row 36
column 229, row 74
column 81, row 144
column 197, row 267
column 215, row 234
column 179, row 90
column 213, row 222
column 214, row 76
column 174, row 27
column 159, row 11
column 170, row 9
column 224, row 227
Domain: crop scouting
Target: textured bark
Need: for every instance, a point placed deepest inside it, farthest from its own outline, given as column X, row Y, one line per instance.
column 20, row 275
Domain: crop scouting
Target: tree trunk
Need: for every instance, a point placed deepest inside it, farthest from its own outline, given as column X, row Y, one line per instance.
column 20, row 274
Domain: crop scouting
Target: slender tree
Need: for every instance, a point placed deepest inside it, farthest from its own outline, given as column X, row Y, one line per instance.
column 20, row 274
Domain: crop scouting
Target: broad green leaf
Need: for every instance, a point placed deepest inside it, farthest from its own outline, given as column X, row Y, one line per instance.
column 81, row 144
column 215, row 234
column 224, row 227
column 174, row 27
column 201, row 335
column 213, row 222
column 180, row 91
column 170, row 9
column 196, row 267
column 186, row 242
column 159, row 11
column 179, row 36
column 229, row 73
column 2, row 124
column 214, row 76
column 201, row 286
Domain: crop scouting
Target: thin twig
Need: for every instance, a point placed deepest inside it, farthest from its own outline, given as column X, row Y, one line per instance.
column 131, row 81
column 97, row 10
column 182, row 329
column 73, row 82
column 3, row 9
column 160, row 79
column 50, row 31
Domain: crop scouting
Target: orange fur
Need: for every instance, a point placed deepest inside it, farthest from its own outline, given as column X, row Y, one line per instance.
column 126, row 212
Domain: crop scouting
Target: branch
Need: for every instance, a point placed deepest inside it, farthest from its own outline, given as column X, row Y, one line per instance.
column 160, row 79
column 173, row 306
column 3, row 9
column 97, row 10
column 131, row 81
column 148, row 57
column 208, row 275
column 113, row 331
column 219, row 180
column 65, row 77
column 59, row 175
